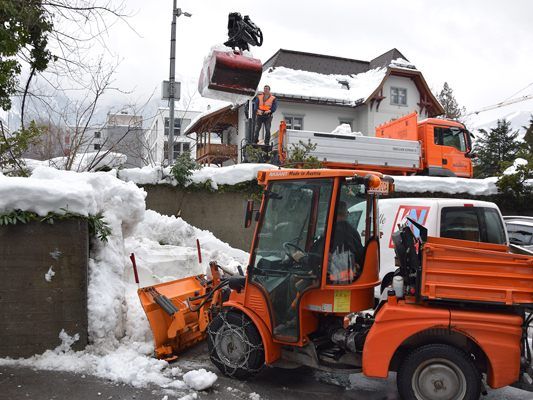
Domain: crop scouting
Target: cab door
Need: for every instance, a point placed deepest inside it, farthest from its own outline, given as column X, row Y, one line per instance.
column 453, row 144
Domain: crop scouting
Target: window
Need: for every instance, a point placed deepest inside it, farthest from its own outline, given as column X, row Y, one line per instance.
column 97, row 135
column 178, row 149
column 478, row 224
column 177, row 126
column 453, row 137
column 294, row 122
column 398, row 96
column 521, row 235
column 346, row 253
column 96, row 146
column 346, row 121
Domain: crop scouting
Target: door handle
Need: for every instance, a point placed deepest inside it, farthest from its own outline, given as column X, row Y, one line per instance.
column 444, row 161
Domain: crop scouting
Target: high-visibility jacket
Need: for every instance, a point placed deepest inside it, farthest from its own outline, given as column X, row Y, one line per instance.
column 265, row 105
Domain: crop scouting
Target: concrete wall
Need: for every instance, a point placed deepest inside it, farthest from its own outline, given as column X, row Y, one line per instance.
column 221, row 213
column 33, row 311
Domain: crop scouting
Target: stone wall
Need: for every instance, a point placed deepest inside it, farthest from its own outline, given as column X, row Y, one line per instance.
column 33, row 311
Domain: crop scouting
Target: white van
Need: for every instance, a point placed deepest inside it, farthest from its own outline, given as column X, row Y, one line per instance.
column 452, row 218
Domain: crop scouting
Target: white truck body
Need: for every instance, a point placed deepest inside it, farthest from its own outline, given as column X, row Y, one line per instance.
column 357, row 149
column 455, row 218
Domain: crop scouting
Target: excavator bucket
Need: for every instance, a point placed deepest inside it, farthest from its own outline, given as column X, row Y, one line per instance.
column 178, row 320
column 230, row 71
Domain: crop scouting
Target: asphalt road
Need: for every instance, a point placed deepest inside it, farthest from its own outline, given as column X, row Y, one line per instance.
column 270, row 384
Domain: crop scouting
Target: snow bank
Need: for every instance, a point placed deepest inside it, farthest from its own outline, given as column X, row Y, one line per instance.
column 345, row 130
column 423, row 184
column 94, row 160
column 121, row 343
column 290, row 82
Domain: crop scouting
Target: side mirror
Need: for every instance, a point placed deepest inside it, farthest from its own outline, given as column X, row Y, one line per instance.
column 470, row 155
column 249, row 213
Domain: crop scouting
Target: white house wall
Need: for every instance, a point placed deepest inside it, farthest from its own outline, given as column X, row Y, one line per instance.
column 388, row 111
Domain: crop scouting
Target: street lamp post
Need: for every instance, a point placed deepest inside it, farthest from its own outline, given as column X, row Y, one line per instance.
column 176, row 12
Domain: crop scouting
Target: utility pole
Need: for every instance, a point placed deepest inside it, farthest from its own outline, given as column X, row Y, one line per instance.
column 176, row 12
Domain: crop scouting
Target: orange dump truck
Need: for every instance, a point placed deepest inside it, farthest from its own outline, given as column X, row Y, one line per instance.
column 455, row 318
column 405, row 146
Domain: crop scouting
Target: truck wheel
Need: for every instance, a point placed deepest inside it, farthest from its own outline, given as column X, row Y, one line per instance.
column 235, row 345
column 438, row 372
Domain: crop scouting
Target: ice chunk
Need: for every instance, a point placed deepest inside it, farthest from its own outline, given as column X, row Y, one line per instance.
column 200, row 379
column 49, row 275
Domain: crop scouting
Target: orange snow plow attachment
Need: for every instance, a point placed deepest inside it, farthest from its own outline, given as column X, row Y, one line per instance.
column 230, row 71
column 178, row 311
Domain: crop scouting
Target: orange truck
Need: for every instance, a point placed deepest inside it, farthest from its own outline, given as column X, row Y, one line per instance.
column 405, row 146
column 455, row 317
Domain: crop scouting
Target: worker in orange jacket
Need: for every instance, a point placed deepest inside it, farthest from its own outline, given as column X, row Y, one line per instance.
column 265, row 104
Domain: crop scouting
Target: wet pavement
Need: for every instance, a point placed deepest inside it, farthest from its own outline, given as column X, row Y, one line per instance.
column 270, row 384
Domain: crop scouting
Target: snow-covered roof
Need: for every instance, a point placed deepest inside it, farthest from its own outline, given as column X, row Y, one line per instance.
column 342, row 89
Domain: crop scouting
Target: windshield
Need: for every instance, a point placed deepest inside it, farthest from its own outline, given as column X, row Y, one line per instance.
column 289, row 248
column 295, row 213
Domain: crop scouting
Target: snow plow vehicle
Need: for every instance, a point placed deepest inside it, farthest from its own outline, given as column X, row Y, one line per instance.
column 456, row 311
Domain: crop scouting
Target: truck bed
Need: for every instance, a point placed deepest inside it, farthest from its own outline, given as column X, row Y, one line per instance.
column 461, row 270
column 357, row 150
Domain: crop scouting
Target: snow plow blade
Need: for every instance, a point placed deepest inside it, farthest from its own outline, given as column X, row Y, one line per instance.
column 232, row 72
column 177, row 318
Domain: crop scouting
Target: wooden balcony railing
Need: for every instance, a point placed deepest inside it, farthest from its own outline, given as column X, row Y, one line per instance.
column 216, row 153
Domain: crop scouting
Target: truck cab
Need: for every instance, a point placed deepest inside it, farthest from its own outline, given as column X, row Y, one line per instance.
column 446, row 145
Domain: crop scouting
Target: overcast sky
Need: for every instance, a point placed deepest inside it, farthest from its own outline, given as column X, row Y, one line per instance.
column 483, row 49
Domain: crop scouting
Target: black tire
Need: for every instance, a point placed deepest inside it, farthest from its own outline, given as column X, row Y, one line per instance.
column 235, row 346
column 438, row 372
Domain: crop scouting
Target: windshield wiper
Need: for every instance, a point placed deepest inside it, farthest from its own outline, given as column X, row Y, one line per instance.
column 272, row 195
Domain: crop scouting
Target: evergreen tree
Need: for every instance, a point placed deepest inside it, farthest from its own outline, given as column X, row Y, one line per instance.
column 495, row 148
column 452, row 109
column 528, row 137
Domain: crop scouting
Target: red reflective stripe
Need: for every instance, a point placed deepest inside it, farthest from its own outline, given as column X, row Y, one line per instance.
column 469, row 205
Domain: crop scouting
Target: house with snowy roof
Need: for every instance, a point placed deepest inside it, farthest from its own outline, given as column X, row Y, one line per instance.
column 317, row 93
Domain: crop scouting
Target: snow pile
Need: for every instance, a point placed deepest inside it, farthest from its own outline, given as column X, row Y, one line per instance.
column 199, row 379
column 296, row 83
column 345, row 130
column 514, row 168
column 121, row 345
column 142, row 176
column 91, row 160
column 423, row 184
column 401, row 63
column 207, row 71
column 230, row 175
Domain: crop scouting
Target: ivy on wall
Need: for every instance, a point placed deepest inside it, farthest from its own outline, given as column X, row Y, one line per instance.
column 97, row 226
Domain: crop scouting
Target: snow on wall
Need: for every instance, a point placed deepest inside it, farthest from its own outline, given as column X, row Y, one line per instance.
column 240, row 173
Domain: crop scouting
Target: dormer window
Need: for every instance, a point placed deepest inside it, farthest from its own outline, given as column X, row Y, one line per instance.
column 398, row 96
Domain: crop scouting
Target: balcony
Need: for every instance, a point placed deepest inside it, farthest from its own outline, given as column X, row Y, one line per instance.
column 211, row 153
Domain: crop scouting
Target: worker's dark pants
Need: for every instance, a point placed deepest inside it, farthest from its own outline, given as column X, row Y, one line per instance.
column 261, row 120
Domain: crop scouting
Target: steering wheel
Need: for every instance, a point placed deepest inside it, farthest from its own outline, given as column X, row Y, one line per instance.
column 287, row 246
